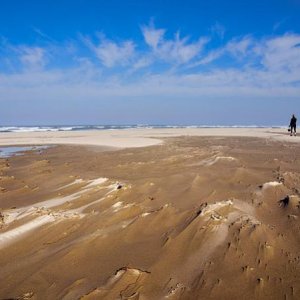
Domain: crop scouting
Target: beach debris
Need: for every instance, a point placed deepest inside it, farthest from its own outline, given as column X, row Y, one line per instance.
column 119, row 186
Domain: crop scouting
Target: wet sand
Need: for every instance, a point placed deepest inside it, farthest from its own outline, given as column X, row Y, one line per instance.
column 190, row 218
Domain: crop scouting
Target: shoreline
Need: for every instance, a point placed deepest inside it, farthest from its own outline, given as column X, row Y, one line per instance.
column 131, row 138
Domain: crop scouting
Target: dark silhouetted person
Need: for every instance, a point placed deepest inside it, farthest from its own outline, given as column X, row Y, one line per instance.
column 293, row 125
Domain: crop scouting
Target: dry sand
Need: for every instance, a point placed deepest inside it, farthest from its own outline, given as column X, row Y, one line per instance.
column 193, row 218
column 136, row 137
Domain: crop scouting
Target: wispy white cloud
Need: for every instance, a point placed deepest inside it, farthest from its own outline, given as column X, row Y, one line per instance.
column 111, row 53
column 153, row 37
column 264, row 67
column 280, row 53
column 32, row 57
column 142, row 63
column 238, row 48
column 178, row 50
column 82, row 84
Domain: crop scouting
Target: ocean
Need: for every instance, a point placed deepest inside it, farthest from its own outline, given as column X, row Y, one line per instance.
column 114, row 127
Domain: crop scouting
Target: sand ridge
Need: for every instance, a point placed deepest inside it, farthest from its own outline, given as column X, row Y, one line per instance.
column 44, row 212
column 152, row 223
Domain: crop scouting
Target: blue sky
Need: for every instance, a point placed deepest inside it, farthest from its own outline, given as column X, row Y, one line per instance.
column 149, row 62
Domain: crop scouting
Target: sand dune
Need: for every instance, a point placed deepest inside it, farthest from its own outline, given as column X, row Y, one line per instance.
column 271, row 184
column 9, row 236
column 16, row 214
column 194, row 218
column 47, row 215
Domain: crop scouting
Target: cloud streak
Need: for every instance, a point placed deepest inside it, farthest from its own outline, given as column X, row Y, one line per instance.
column 32, row 57
column 111, row 53
column 243, row 67
column 178, row 50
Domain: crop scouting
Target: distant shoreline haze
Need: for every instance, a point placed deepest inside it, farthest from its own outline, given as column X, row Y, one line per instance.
column 49, row 128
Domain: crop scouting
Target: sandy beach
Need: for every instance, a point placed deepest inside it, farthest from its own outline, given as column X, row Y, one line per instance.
column 136, row 137
column 151, row 214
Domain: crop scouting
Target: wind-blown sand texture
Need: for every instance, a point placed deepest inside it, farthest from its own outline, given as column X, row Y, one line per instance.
column 192, row 218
